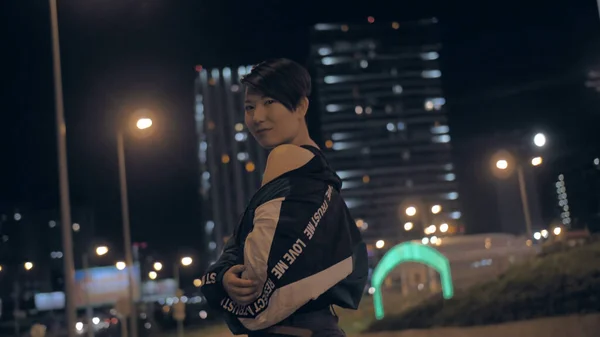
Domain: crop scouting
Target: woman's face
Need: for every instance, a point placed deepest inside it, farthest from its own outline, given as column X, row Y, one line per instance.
column 270, row 122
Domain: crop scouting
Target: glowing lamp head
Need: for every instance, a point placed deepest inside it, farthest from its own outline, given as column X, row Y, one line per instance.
column 144, row 123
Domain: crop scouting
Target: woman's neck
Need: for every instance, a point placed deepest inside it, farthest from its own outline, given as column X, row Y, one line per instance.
column 304, row 139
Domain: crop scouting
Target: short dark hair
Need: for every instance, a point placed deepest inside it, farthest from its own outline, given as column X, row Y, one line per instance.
column 281, row 79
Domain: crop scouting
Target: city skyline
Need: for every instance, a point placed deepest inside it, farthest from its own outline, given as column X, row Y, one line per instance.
column 494, row 82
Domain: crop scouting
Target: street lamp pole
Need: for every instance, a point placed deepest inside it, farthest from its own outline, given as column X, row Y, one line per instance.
column 524, row 200
column 65, row 207
column 126, row 230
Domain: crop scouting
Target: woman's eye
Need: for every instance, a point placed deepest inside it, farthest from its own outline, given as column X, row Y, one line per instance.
column 269, row 101
column 248, row 107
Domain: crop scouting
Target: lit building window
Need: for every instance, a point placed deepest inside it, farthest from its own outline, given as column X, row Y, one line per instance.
column 455, row 215
column 345, row 28
column 226, row 72
column 332, row 79
column 395, row 25
column 325, row 51
column 364, row 64
column 441, row 139
column 440, row 129
column 430, row 56
column 452, row 196
column 210, row 225
column 391, row 127
column 329, row 144
column 401, row 126
column 333, row 107
column 358, row 110
column 225, row 159
column 239, row 127
column 450, row 177
column 243, row 156
column 328, row 61
column 241, row 136
column 397, row 89
column 366, row 179
column 434, row 103
column 431, row 73
column 368, row 110
column 250, row 166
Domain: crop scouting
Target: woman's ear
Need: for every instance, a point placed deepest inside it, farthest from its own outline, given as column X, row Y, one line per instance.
column 302, row 107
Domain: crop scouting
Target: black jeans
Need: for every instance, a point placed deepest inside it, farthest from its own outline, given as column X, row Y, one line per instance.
column 322, row 323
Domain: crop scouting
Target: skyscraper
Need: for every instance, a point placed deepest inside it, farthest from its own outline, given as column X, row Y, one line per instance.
column 385, row 126
column 231, row 162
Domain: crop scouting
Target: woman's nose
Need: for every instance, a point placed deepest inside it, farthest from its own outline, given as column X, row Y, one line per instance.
column 259, row 115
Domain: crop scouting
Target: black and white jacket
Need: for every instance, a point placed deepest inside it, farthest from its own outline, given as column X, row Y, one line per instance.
column 298, row 239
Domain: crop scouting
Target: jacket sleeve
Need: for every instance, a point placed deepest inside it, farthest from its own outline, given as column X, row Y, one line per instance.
column 212, row 281
column 295, row 251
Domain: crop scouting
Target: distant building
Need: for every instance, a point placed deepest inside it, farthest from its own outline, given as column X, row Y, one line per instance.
column 231, row 162
column 34, row 236
column 385, row 126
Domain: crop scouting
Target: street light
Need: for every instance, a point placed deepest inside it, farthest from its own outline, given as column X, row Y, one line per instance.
column 408, row 226
column 502, row 164
column 101, row 250
column 120, row 265
column 539, row 140
column 444, row 227
column 152, row 275
column 142, row 123
column 157, row 266
column 186, row 261
column 411, row 210
column 28, row 265
column 379, row 244
column 557, row 231
column 435, row 209
column 536, row 161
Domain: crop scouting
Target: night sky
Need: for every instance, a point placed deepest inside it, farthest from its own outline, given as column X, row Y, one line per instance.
column 506, row 65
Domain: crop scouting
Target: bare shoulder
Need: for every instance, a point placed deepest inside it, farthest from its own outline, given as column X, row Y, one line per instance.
column 285, row 158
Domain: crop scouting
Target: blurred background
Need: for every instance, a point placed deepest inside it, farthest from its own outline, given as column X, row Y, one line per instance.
column 453, row 125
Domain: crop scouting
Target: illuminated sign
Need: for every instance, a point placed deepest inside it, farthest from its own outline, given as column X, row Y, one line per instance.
column 105, row 285
column 410, row 252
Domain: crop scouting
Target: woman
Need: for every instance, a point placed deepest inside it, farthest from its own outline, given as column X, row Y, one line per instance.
column 297, row 251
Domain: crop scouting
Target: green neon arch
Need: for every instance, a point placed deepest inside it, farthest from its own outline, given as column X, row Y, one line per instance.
column 410, row 252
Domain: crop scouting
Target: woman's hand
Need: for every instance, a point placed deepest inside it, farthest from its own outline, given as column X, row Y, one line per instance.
column 240, row 290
